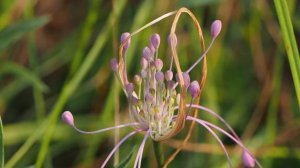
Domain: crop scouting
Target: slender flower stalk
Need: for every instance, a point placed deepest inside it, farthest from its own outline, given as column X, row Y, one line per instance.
column 157, row 102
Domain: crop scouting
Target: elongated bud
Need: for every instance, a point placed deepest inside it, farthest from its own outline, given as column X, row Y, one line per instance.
column 169, row 75
column 151, row 48
column 173, row 38
column 144, row 63
column 158, row 64
column 148, row 97
column 170, row 84
column 143, row 73
column 67, row 117
column 215, row 28
column 147, row 53
column 129, row 88
column 159, row 76
column 155, row 40
column 114, row 64
column 124, row 37
column 134, row 100
column 194, row 89
column 186, row 79
column 248, row 160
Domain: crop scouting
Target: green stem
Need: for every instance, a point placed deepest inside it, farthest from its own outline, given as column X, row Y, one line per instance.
column 158, row 153
column 289, row 42
column 1, row 145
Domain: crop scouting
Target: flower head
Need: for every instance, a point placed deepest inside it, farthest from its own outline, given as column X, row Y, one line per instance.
column 157, row 103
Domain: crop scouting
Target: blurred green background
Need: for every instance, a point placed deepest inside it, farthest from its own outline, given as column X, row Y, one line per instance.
column 54, row 56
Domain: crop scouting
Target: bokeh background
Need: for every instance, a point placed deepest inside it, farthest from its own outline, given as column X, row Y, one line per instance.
column 54, row 56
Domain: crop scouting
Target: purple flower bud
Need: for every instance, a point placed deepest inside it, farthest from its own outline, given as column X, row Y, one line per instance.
column 143, row 73
column 151, row 48
column 134, row 100
column 159, row 76
column 67, row 117
column 248, row 160
column 148, row 97
column 129, row 88
column 169, row 75
column 173, row 38
column 144, row 63
column 147, row 53
column 124, row 37
column 114, row 64
column 170, row 84
column 137, row 79
column 155, row 40
column 158, row 64
column 194, row 89
column 215, row 28
column 186, row 79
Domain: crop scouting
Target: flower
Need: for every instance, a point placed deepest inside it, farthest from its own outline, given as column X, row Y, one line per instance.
column 157, row 103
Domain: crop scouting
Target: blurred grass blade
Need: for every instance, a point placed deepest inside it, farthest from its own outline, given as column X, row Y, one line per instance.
column 1, row 145
column 16, row 69
column 289, row 42
column 72, row 85
column 124, row 163
column 16, row 31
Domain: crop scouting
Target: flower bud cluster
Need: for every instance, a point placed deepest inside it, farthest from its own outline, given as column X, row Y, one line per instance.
column 153, row 96
column 156, row 93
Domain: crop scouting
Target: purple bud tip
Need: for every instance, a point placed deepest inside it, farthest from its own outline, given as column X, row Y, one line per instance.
column 158, row 64
column 169, row 75
column 194, row 89
column 159, row 76
column 186, row 79
column 172, row 38
column 114, row 64
column 215, row 28
column 155, row 40
column 67, row 117
column 248, row 160
column 129, row 88
column 147, row 53
column 124, row 37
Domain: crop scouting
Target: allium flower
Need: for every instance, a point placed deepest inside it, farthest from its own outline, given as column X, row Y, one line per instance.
column 157, row 102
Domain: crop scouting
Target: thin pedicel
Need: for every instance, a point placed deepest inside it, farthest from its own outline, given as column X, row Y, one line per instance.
column 157, row 102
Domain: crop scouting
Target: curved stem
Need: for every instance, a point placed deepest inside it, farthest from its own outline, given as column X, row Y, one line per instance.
column 214, row 114
column 117, row 146
column 219, row 117
column 138, row 160
column 224, row 132
column 215, row 135
column 158, row 153
column 105, row 129
column 201, row 57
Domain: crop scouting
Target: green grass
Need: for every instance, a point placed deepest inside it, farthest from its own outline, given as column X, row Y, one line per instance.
column 289, row 42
